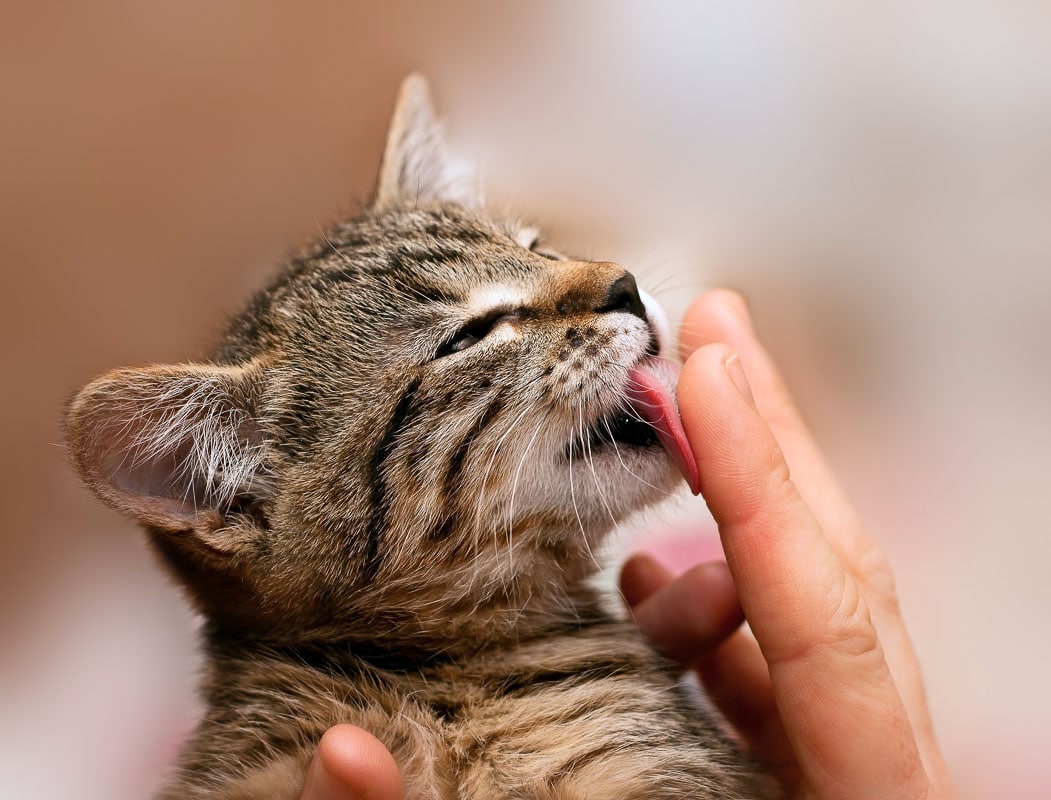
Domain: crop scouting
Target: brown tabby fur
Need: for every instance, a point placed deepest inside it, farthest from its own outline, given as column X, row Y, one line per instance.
column 387, row 530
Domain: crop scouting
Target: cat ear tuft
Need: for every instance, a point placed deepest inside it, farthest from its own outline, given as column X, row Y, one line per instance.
column 416, row 167
column 173, row 446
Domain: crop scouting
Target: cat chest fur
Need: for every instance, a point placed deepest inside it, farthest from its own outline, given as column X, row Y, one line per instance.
column 591, row 712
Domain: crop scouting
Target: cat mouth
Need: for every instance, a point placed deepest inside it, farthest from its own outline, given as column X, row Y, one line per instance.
column 648, row 417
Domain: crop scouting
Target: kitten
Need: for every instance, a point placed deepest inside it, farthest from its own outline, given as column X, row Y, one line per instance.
column 382, row 493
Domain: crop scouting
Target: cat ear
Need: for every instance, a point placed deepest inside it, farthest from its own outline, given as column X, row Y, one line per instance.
column 416, row 167
column 173, row 446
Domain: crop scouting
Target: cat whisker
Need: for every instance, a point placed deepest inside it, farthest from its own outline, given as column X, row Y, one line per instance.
column 634, row 415
column 514, row 489
column 594, row 473
column 492, row 460
column 496, row 448
column 482, row 496
column 628, row 470
column 572, row 489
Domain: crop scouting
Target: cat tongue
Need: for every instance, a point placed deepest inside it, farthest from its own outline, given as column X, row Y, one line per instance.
column 651, row 393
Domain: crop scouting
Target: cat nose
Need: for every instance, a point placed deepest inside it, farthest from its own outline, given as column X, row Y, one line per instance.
column 596, row 287
column 623, row 295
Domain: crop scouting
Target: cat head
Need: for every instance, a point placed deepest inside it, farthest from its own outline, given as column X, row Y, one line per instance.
column 422, row 427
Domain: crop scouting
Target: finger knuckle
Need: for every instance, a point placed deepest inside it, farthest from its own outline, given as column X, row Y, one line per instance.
column 843, row 629
column 870, row 565
column 850, row 629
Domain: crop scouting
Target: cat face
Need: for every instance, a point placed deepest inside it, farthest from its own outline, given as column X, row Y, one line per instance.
column 427, row 417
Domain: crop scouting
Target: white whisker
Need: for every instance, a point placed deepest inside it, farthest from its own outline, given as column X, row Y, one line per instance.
column 514, row 490
column 594, row 473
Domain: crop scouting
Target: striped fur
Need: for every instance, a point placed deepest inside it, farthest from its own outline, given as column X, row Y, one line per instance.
column 381, row 494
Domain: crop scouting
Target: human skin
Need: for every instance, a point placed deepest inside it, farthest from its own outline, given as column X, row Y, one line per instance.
column 826, row 690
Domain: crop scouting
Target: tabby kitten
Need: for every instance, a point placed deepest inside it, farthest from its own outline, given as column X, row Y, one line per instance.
column 383, row 491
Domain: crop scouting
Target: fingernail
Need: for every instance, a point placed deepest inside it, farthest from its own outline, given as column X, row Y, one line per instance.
column 735, row 372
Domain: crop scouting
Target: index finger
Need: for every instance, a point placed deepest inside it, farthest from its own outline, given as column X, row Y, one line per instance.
column 837, row 697
column 720, row 315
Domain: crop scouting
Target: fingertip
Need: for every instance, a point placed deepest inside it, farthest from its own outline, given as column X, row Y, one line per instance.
column 718, row 315
column 352, row 764
column 742, row 463
column 693, row 614
column 640, row 577
column 711, row 585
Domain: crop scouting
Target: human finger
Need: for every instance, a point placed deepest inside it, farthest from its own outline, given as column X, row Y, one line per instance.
column 830, row 678
column 352, row 764
column 729, row 663
column 684, row 617
column 737, row 679
column 721, row 315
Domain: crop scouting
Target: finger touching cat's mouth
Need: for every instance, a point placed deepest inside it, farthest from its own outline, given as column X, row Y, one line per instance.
column 648, row 417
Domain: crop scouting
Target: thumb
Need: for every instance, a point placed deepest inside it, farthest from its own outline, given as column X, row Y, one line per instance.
column 352, row 764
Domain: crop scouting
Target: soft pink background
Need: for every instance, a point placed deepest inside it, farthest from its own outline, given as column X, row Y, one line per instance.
column 877, row 182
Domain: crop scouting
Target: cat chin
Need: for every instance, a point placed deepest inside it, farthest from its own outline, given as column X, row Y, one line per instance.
column 595, row 491
column 618, row 481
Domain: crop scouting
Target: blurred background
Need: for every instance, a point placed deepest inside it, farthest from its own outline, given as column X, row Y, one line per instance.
column 876, row 178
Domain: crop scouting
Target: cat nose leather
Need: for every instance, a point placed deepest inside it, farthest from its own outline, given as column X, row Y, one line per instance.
column 623, row 295
column 599, row 288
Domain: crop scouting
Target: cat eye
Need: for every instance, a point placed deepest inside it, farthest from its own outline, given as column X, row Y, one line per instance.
column 534, row 247
column 474, row 331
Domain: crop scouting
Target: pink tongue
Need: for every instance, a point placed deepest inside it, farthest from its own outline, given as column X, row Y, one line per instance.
column 653, row 400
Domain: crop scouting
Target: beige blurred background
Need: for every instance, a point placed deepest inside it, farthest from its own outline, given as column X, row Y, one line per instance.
column 877, row 182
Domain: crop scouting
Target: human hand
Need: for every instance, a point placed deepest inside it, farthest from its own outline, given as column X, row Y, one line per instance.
column 828, row 693
column 352, row 764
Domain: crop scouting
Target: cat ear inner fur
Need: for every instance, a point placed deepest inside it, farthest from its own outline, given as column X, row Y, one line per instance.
column 176, row 447
column 416, row 167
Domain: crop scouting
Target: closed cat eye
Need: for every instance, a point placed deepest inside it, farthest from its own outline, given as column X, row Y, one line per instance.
column 535, row 247
column 474, row 331
column 548, row 254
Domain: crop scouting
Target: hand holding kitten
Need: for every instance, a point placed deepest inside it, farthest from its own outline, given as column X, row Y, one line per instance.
column 828, row 694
